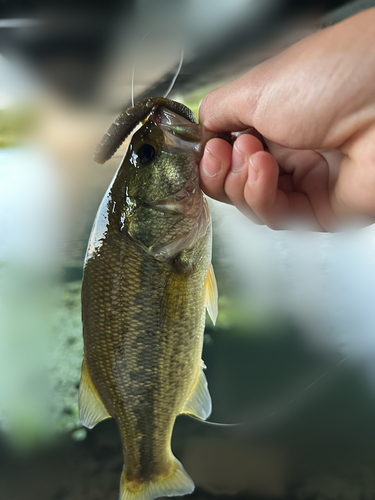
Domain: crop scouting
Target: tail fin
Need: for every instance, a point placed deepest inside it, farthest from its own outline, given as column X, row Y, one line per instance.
column 175, row 484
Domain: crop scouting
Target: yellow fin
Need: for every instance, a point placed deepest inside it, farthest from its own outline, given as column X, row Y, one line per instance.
column 199, row 403
column 175, row 484
column 91, row 408
column 211, row 294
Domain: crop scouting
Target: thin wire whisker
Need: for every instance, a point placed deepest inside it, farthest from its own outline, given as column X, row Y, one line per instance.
column 177, row 72
column 174, row 78
column 281, row 408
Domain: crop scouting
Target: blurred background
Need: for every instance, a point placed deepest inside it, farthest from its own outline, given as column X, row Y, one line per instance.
column 292, row 356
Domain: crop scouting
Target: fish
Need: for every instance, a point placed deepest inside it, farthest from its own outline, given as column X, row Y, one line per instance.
column 148, row 280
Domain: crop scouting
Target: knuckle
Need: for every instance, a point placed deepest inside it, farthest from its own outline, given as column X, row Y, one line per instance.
column 206, row 108
column 205, row 104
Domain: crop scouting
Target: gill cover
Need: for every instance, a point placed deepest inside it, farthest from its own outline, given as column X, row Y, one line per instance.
column 127, row 122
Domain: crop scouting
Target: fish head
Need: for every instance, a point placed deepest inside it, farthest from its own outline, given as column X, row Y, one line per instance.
column 154, row 197
column 162, row 159
column 168, row 210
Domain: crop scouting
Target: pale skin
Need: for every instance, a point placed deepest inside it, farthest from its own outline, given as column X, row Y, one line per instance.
column 308, row 152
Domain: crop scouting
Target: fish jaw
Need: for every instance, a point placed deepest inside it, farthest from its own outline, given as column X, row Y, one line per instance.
column 180, row 133
column 186, row 241
column 185, row 210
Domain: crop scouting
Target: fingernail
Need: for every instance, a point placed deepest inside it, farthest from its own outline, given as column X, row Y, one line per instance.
column 238, row 161
column 253, row 172
column 211, row 166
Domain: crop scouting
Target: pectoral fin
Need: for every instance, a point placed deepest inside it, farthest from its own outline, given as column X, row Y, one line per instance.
column 211, row 295
column 91, row 408
column 199, row 402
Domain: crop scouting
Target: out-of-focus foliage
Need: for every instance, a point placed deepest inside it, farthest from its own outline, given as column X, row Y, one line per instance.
column 66, row 356
column 41, row 362
column 15, row 124
column 234, row 313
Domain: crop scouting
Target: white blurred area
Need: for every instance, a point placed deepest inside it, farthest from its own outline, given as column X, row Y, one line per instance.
column 32, row 231
column 50, row 189
column 324, row 282
column 31, row 219
column 16, row 86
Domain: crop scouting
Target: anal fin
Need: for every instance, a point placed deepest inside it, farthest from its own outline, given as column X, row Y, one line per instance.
column 199, row 403
column 211, row 295
column 91, row 408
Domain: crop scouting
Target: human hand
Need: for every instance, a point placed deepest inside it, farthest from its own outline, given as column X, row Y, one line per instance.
column 310, row 156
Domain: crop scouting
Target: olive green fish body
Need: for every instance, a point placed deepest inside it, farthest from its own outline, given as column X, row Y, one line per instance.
column 143, row 328
column 146, row 284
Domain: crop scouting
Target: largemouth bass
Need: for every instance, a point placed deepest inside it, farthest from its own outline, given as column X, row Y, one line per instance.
column 147, row 281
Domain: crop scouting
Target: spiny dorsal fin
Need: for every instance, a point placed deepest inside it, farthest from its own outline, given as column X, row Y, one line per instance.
column 211, row 295
column 91, row 408
column 199, row 402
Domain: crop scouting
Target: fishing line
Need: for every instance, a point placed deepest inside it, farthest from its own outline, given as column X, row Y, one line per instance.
column 174, row 78
column 177, row 72
column 280, row 410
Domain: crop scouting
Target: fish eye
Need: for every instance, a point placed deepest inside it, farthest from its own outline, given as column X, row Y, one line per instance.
column 146, row 153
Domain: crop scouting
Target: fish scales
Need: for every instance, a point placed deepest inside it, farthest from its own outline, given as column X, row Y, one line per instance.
column 124, row 348
column 143, row 309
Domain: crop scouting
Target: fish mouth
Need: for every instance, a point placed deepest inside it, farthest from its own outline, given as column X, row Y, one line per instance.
column 180, row 133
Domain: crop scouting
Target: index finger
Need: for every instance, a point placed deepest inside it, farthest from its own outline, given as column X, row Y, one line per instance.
column 230, row 108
